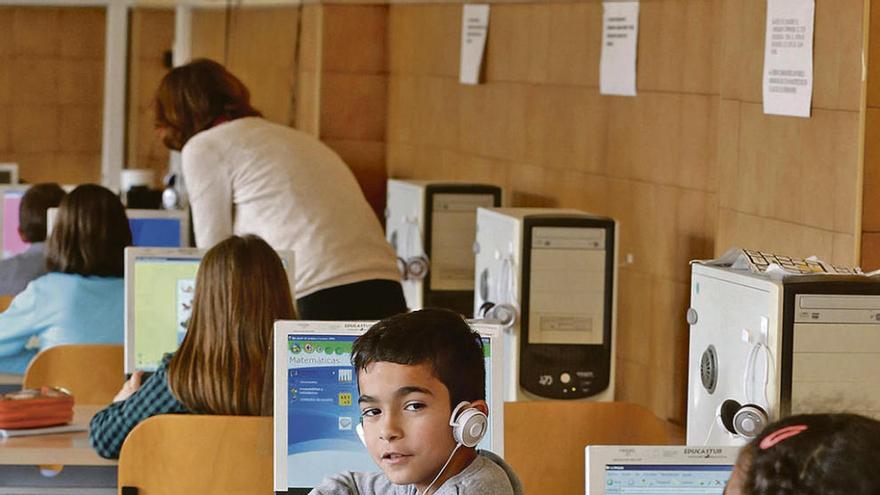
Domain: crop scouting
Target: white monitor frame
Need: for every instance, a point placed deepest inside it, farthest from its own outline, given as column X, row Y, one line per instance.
column 12, row 168
column 596, row 457
column 182, row 215
column 284, row 328
column 3, row 190
column 133, row 253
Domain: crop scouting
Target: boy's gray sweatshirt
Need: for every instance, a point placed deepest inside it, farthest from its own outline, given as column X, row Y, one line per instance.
column 488, row 474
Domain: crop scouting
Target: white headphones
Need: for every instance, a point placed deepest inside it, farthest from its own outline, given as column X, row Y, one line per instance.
column 748, row 420
column 469, row 425
column 745, row 420
column 505, row 310
column 413, row 262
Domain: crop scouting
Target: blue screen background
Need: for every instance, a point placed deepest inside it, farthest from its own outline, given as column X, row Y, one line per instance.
column 155, row 232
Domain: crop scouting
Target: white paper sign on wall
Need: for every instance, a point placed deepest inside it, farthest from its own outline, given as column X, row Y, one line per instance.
column 788, row 57
column 620, row 35
column 474, row 29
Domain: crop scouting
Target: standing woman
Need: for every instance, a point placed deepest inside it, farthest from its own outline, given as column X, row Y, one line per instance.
column 81, row 299
column 245, row 174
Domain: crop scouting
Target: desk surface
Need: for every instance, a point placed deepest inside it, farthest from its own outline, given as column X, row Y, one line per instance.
column 69, row 449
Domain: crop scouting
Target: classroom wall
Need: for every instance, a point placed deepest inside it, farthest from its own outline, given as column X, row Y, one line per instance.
column 870, row 225
column 51, row 96
column 791, row 185
column 689, row 167
column 343, row 86
column 151, row 36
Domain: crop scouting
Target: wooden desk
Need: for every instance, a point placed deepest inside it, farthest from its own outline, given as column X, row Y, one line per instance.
column 68, row 449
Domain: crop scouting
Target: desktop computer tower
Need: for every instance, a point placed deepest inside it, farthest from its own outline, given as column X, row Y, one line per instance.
column 765, row 344
column 550, row 277
column 431, row 226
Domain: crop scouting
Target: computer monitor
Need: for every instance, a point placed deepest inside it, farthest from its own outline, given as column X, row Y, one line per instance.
column 11, row 202
column 149, row 228
column 655, row 470
column 159, row 289
column 8, row 173
column 316, row 409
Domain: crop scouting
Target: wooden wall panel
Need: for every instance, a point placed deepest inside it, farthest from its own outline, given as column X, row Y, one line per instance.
column 51, row 92
column 352, row 74
column 259, row 44
column 873, row 57
column 151, row 36
column 789, row 184
column 870, row 214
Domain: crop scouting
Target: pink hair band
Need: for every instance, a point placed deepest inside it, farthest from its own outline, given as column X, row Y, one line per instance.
column 780, row 435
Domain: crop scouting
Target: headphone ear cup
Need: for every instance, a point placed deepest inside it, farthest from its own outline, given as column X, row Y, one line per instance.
column 417, row 267
column 726, row 413
column 359, row 429
column 506, row 314
column 470, row 427
column 749, row 420
column 485, row 309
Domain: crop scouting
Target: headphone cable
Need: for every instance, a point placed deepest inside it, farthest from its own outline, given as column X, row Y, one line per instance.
column 448, row 460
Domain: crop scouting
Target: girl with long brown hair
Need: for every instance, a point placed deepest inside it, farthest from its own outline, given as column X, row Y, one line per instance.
column 80, row 300
column 222, row 365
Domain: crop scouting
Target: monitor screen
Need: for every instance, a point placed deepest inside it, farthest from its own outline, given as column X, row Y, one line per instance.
column 149, row 228
column 322, row 409
column 12, row 243
column 155, row 232
column 656, row 479
column 163, row 289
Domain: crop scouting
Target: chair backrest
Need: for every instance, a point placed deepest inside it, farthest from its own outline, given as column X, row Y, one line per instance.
column 177, row 454
column 544, row 441
column 93, row 373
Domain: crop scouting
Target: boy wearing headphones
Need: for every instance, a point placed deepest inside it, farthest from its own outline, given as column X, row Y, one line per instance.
column 421, row 379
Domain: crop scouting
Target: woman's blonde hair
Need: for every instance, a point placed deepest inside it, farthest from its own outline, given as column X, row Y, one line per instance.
column 225, row 358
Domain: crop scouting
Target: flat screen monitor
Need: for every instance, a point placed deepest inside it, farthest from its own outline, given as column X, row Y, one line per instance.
column 12, row 243
column 8, row 173
column 316, row 401
column 159, row 289
column 656, row 470
column 150, row 228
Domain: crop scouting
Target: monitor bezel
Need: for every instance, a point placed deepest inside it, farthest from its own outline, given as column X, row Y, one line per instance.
column 596, row 457
column 134, row 213
column 12, row 168
column 133, row 253
column 5, row 188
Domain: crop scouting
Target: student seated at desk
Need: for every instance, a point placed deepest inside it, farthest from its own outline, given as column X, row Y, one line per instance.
column 422, row 385
column 224, row 364
column 80, row 300
column 16, row 272
column 810, row 454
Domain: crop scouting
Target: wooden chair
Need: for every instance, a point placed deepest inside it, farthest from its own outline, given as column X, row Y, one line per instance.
column 94, row 373
column 544, row 441
column 177, row 454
